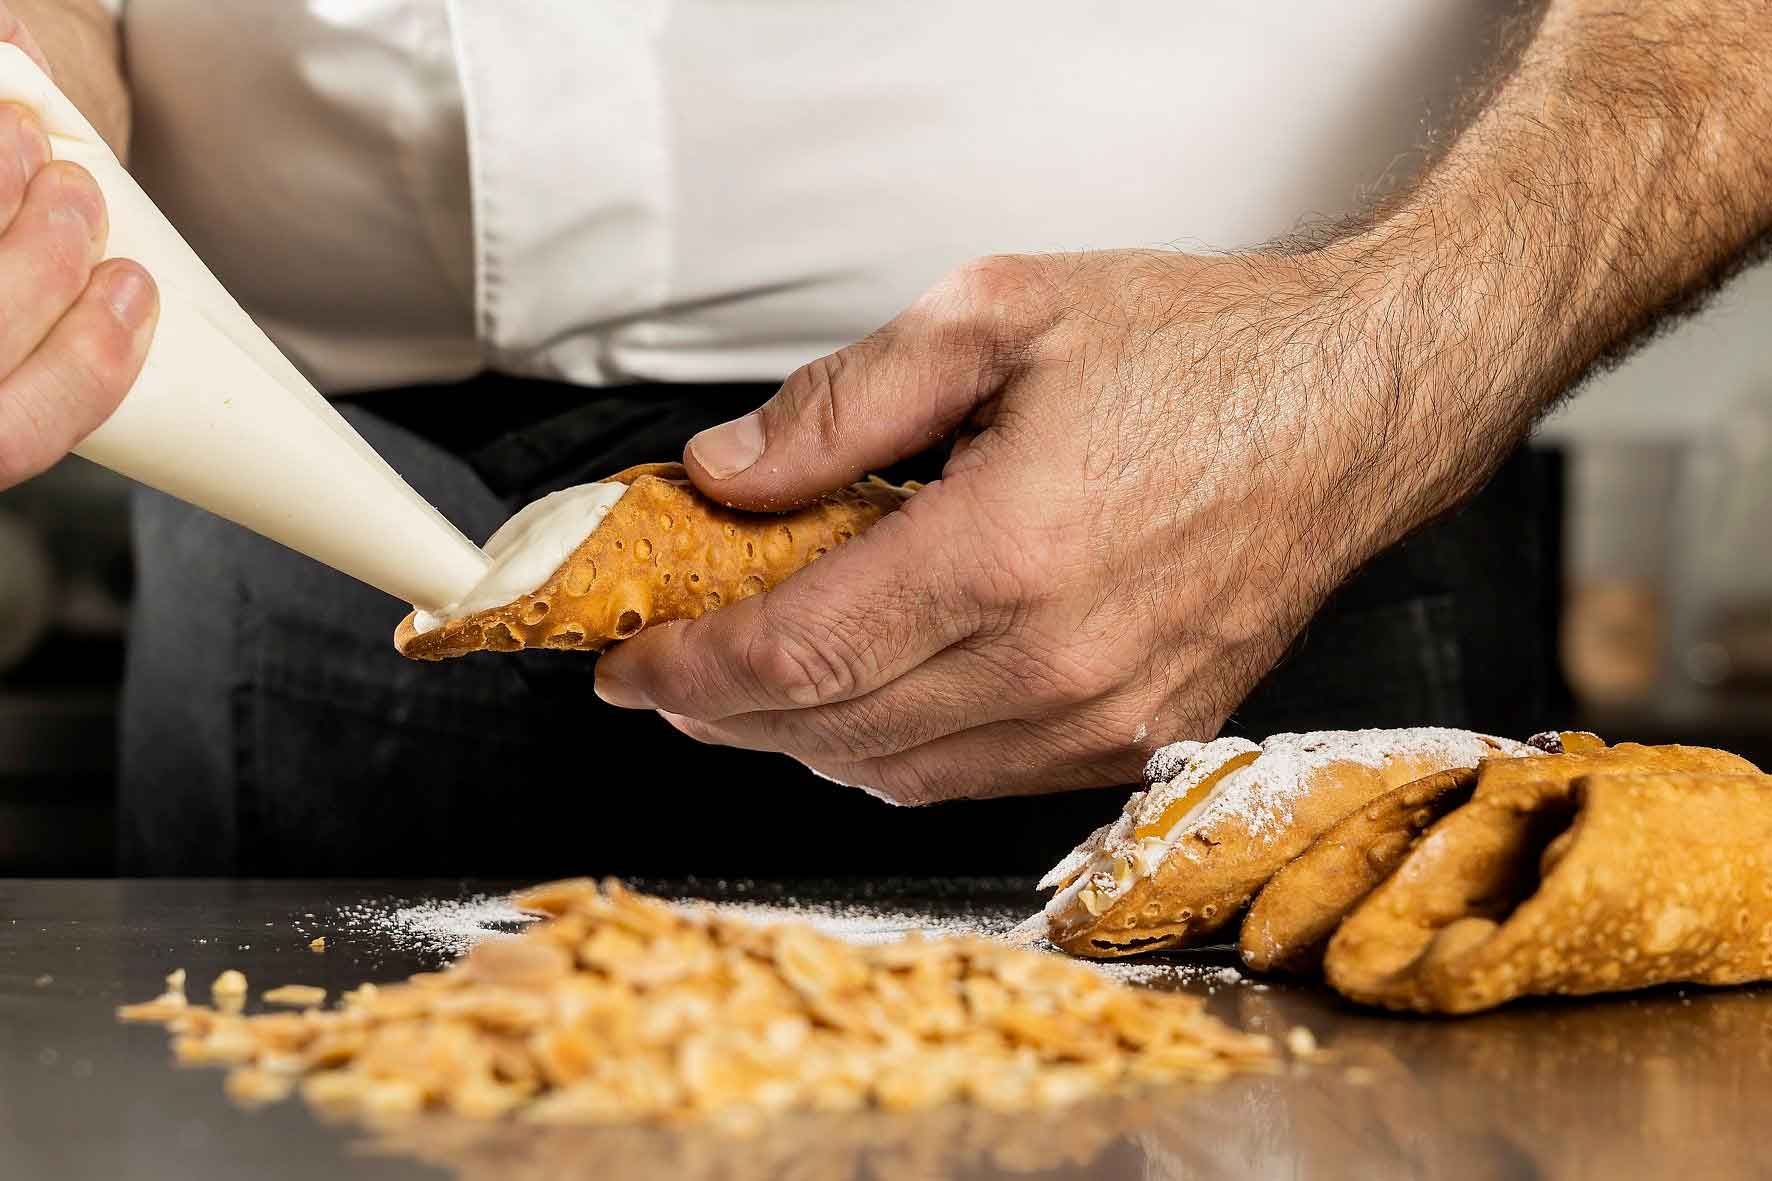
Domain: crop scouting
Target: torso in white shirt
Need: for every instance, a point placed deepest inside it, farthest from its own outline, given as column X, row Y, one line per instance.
column 406, row 191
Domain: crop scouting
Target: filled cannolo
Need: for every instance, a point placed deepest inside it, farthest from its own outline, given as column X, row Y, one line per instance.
column 1291, row 921
column 1550, row 886
column 1218, row 820
column 640, row 548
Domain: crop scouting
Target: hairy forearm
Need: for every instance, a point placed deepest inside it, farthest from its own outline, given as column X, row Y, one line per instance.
column 80, row 39
column 1620, row 171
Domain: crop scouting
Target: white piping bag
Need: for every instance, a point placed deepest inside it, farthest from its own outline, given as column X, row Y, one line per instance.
column 221, row 419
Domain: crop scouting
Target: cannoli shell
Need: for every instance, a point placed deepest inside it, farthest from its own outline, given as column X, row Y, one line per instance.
column 1622, row 758
column 664, row 552
column 1298, row 910
column 1291, row 921
column 1196, row 892
column 1609, row 882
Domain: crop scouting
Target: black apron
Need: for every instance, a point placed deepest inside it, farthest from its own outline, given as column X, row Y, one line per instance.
column 271, row 729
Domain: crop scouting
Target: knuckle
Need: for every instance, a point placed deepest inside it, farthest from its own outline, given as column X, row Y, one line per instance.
column 811, row 397
column 990, row 306
column 807, row 663
column 102, row 356
column 1050, row 677
column 989, row 285
column 71, row 223
column 78, row 187
column 810, row 660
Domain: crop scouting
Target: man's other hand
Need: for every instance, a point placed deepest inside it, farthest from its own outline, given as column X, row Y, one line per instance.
column 74, row 331
column 1164, row 464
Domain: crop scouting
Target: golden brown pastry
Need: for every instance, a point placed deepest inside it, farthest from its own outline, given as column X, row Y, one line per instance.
column 1624, row 758
column 1545, row 884
column 1293, row 917
column 663, row 552
column 1291, row 921
column 1218, row 820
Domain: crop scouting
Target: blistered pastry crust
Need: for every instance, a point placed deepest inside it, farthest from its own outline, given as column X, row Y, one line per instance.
column 1559, row 885
column 664, row 552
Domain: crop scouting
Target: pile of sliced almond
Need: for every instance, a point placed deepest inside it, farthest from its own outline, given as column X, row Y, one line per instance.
column 622, row 1007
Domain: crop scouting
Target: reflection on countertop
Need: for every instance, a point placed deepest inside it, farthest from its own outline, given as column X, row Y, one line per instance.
column 1657, row 1084
column 1622, row 1088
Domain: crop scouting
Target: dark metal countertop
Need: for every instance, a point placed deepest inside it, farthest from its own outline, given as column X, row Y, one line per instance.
column 1670, row 1083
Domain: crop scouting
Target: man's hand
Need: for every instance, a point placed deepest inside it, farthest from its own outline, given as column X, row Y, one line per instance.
column 73, row 330
column 1165, row 463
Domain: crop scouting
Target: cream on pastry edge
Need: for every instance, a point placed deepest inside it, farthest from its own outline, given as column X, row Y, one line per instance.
column 529, row 547
column 1109, row 860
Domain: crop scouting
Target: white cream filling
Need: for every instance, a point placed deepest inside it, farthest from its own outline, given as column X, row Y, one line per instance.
column 1093, row 862
column 529, row 547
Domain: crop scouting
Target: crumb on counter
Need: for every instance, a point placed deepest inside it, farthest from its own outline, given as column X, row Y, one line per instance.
column 229, row 991
column 168, row 1005
column 710, row 1016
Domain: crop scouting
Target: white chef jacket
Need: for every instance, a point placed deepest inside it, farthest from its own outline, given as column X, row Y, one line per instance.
column 615, row 191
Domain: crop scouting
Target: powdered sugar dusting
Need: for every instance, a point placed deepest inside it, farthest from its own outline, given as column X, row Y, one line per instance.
column 1259, row 797
column 451, row 927
column 867, row 924
column 443, row 928
column 1256, row 799
column 863, row 923
column 1172, row 974
column 446, row 928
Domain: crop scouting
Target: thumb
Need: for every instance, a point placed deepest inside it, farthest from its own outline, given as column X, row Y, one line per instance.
column 892, row 395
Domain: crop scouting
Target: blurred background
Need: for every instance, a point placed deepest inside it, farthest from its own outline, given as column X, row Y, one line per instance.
column 1666, row 631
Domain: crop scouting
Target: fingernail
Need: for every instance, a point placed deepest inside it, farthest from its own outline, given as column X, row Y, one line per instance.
column 621, row 694
column 78, row 196
column 729, row 448
column 130, row 297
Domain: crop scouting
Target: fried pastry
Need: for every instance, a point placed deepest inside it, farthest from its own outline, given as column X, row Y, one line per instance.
column 1293, row 917
column 662, row 552
column 1624, row 758
column 1291, row 921
column 1551, row 885
column 1218, row 820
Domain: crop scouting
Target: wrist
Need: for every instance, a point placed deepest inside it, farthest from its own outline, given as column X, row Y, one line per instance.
column 1447, row 354
column 1337, row 436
